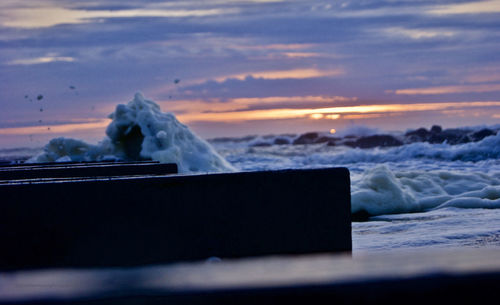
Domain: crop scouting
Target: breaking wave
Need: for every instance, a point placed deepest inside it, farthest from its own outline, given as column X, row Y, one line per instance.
column 140, row 131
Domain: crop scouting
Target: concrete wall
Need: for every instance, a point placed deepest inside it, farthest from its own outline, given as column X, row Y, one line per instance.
column 152, row 220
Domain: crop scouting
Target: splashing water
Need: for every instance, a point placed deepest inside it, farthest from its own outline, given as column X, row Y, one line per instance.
column 140, row 131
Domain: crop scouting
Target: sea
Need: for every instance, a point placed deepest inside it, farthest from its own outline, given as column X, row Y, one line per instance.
column 424, row 188
column 414, row 196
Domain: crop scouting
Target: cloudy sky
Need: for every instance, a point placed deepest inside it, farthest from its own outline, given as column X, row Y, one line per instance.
column 243, row 67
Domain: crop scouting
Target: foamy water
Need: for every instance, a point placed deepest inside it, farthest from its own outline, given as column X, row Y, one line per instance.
column 141, row 131
column 418, row 194
column 421, row 195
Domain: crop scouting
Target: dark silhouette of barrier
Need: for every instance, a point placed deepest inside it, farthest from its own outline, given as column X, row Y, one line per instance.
column 84, row 169
column 430, row 277
column 129, row 221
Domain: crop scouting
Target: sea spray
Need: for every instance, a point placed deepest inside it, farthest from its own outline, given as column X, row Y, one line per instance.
column 140, row 131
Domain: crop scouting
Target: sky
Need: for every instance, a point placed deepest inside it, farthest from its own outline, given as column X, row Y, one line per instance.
column 234, row 68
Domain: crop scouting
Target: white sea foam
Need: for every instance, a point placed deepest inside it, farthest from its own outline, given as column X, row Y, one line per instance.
column 383, row 191
column 139, row 130
column 411, row 178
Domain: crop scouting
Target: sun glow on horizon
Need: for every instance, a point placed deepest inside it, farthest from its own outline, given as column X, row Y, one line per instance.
column 329, row 112
column 313, row 114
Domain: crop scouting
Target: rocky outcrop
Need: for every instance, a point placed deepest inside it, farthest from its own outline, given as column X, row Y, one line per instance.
column 281, row 141
column 375, row 141
column 315, row 138
column 437, row 135
column 306, row 138
column 481, row 134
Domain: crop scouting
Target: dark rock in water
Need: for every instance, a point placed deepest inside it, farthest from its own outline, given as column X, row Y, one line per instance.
column 481, row 134
column 330, row 140
column 306, row 138
column 377, row 141
column 350, row 144
column 230, row 139
column 450, row 136
column 261, row 144
column 421, row 133
column 323, row 139
column 436, row 129
column 281, row 141
column 437, row 135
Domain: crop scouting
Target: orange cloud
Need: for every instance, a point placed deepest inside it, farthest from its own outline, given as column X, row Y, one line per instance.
column 48, row 16
column 277, row 114
column 300, row 54
column 238, row 104
column 483, row 78
column 449, row 89
column 291, row 99
column 277, row 46
column 362, row 116
column 285, row 74
column 491, row 6
column 317, row 116
column 40, row 60
column 231, row 115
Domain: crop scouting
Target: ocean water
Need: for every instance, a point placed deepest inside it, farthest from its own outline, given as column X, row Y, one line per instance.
column 413, row 190
column 419, row 195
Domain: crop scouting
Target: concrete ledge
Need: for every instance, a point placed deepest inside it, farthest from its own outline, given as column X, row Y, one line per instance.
column 79, row 170
column 152, row 220
column 10, row 164
column 431, row 277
